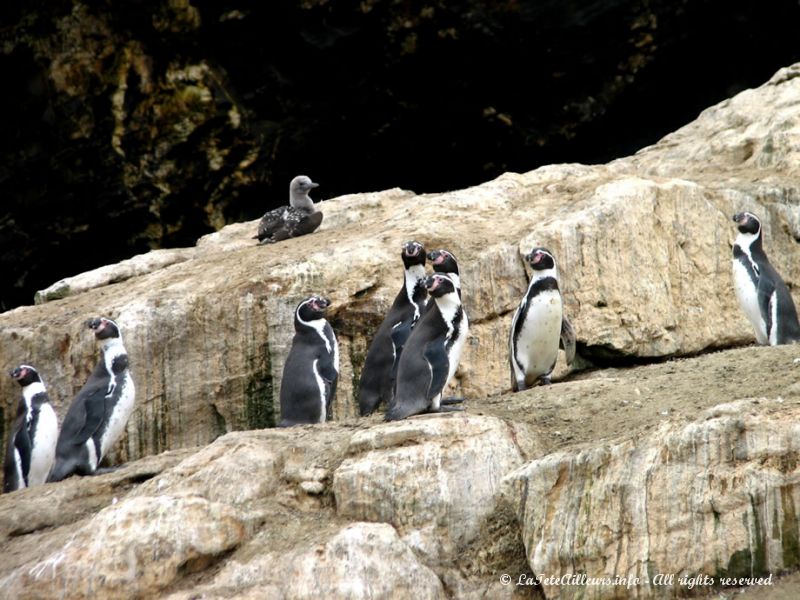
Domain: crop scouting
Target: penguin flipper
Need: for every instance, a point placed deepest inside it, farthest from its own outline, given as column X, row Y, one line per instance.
column 331, row 378
column 94, row 409
column 567, row 341
column 436, row 355
column 22, row 444
column 766, row 298
column 399, row 336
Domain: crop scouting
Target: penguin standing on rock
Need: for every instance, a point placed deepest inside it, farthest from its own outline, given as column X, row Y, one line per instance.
column 431, row 354
column 32, row 440
column 380, row 366
column 97, row 417
column 299, row 218
column 311, row 371
column 761, row 292
column 539, row 325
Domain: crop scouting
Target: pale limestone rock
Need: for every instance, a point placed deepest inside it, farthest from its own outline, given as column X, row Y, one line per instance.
column 242, row 469
column 102, row 276
column 133, row 548
column 643, row 246
column 716, row 497
column 359, row 561
column 434, row 477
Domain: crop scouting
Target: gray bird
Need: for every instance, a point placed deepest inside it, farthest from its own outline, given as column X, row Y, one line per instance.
column 299, row 218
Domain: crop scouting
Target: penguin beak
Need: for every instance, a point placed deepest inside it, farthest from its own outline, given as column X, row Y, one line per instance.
column 312, row 185
column 93, row 323
column 15, row 373
column 412, row 248
column 431, row 282
column 533, row 257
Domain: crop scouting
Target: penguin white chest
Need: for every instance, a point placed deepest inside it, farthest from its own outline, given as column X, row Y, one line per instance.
column 537, row 343
column 44, row 445
column 747, row 295
column 120, row 413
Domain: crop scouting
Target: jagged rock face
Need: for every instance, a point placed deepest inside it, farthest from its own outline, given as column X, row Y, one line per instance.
column 644, row 256
column 129, row 127
column 717, row 497
column 438, row 503
column 131, row 549
column 664, row 478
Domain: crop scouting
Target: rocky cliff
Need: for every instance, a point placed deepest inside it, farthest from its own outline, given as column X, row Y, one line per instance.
column 128, row 126
column 685, row 468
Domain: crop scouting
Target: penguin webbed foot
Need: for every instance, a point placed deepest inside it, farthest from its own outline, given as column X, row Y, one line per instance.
column 544, row 380
column 446, row 408
column 104, row 470
column 451, row 400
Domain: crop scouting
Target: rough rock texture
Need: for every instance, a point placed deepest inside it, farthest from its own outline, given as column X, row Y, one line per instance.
column 435, row 479
column 717, row 497
column 664, row 468
column 361, row 560
column 131, row 549
column 643, row 246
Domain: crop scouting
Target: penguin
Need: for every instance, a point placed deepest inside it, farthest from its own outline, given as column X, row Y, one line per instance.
column 32, row 439
column 97, row 416
column 761, row 292
column 539, row 325
column 311, row 371
column 443, row 261
column 299, row 218
column 431, row 354
column 380, row 366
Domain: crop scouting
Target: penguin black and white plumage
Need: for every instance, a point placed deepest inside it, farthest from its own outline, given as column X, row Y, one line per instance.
column 299, row 218
column 311, row 371
column 431, row 354
column 539, row 325
column 97, row 417
column 32, row 440
column 380, row 366
column 761, row 292
column 443, row 261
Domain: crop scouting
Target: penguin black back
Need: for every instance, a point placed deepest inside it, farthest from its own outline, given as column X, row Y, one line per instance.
column 311, row 372
column 380, row 366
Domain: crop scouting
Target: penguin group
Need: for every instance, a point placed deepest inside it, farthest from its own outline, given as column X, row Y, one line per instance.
column 411, row 359
column 416, row 349
column 413, row 355
column 37, row 451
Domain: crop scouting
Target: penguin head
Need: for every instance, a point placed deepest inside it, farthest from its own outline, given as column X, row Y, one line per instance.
column 540, row 259
column 103, row 328
column 747, row 223
column 298, row 192
column 413, row 254
column 312, row 308
column 439, row 284
column 443, row 261
column 25, row 375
